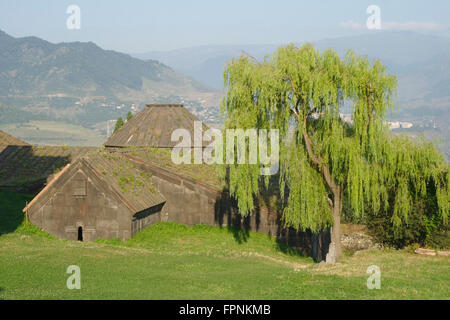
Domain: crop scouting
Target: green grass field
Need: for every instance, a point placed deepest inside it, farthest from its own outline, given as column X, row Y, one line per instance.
column 172, row 261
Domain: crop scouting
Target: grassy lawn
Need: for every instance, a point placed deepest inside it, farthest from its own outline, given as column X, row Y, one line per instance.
column 172, row 261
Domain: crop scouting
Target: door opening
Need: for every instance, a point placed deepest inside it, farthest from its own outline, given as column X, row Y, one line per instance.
column 80, row 234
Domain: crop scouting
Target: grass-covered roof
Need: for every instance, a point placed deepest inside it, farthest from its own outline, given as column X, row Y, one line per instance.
column 25, row 165
column 134, row 185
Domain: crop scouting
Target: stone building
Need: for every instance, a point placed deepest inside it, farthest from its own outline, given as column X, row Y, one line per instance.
column 132, row 182
column 100, row 195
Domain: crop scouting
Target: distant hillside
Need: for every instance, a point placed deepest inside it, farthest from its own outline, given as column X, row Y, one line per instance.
column 421, row 62
column 205, row 63
column 40, row 80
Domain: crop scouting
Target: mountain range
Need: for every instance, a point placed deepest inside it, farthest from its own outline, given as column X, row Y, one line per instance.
column 83, row 84
column 421, row 62
column 70, row 81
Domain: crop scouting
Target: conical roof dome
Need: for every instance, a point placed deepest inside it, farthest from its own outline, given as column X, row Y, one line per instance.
column 153, row 127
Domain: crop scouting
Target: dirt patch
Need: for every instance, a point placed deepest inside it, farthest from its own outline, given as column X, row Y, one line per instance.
column 295, row 266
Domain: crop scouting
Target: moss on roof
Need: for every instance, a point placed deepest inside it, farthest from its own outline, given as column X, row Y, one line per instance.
column 133, row 184
column 207, row 174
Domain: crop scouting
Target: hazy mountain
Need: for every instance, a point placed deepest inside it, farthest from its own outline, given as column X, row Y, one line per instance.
column 393, row 48
column 69, row 81
column 83, row 84
column 420, row 61
column 205, row 63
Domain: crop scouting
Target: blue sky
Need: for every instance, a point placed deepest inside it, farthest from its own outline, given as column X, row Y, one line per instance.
column 140, row 26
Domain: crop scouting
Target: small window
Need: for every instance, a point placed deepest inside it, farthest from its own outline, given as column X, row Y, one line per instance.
column 79, row 187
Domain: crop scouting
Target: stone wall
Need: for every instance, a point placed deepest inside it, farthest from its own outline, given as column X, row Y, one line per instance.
column 191, row 202
column 78, row 200
column 145, row 218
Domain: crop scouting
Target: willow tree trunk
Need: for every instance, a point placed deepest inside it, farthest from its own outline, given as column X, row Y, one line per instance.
column 335, row 250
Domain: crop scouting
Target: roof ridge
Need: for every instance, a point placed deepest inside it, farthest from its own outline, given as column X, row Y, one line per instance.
column 173, row 105
column 55, row 178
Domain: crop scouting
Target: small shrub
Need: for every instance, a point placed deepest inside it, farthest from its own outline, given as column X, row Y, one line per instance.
column 423, row 227
column 27, row 228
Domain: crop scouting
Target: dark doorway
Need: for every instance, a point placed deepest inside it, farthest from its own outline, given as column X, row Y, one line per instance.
column 80, row 234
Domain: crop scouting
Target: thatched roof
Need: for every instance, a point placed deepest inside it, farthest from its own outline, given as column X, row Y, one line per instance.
column 153, row 127
column 115, row 172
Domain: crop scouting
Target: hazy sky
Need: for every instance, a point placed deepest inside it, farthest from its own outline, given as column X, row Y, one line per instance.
column 140, row 26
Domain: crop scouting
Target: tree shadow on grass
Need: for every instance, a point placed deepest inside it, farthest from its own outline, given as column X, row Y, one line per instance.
column 225, row 215
column 240, row 235
column 23, row 173
column 288, row 240
column 11, row 205
column 304, row 243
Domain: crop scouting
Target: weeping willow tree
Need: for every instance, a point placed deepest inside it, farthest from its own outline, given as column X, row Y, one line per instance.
column 302, row 92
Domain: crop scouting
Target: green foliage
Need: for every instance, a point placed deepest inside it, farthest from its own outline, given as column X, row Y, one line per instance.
column 27, row 228
column 423, row 228
column 417, row 207
column 129, row 182
column 302, row 91
column 11, row 205
column 440, row 239
column 12, row 219
column 129, row 115
column 307, row 202
column 119, row 124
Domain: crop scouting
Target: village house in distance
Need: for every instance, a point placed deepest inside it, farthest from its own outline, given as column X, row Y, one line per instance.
column 131, row 182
